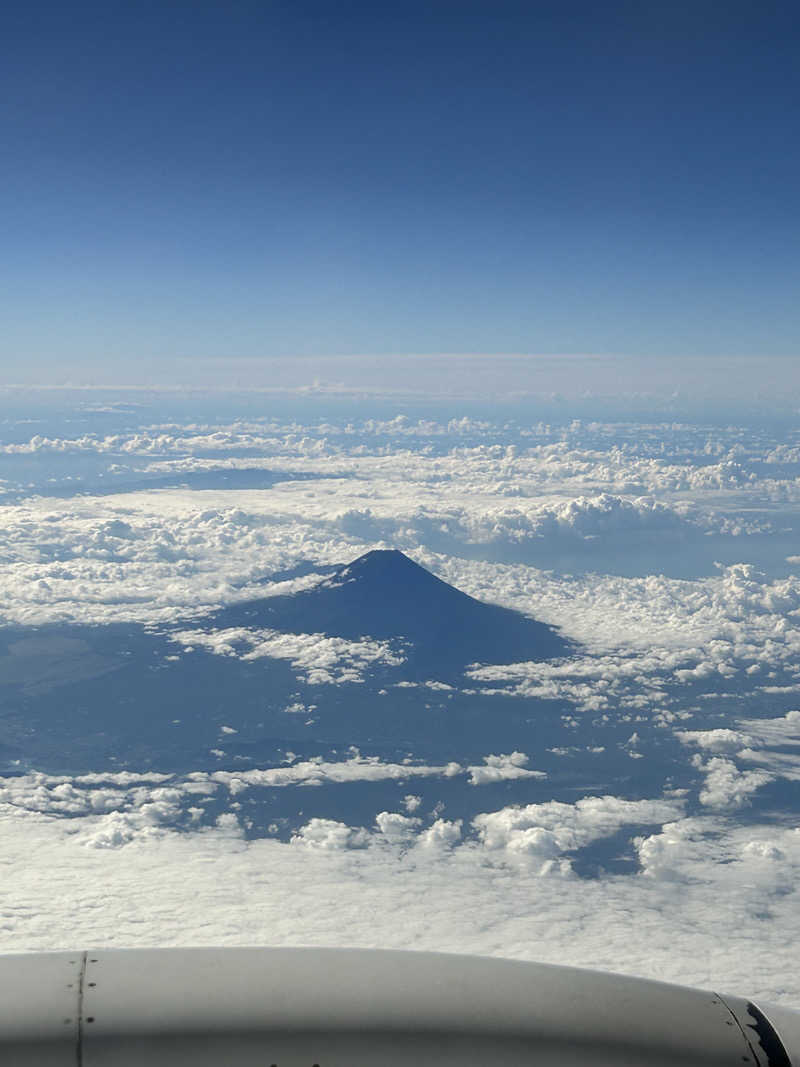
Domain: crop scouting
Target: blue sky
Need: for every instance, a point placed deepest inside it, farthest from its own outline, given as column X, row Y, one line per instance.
column 185, row 182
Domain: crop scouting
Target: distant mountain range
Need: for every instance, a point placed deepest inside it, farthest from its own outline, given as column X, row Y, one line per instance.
column 384, row 594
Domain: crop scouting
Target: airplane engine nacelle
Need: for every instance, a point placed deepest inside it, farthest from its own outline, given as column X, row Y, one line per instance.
column 362, row 1008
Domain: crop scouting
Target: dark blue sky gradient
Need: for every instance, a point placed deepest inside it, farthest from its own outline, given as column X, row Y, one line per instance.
column 191, row 180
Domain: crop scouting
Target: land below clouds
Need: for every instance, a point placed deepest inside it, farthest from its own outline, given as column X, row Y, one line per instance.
column 364, row 686
column 373, row 655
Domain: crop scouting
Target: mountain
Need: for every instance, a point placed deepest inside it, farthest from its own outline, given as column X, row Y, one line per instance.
column 384, row 594
column 75, row 698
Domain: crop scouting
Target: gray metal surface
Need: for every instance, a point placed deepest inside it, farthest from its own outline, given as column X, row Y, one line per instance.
column 299, row 1007
column 39, row 1009
column 348, row 1008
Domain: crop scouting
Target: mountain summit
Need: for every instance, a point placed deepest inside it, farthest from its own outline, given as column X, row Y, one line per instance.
column 386, row 595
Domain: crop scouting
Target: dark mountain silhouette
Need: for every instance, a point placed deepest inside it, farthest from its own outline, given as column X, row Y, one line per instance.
column 386, row 595
column 77, row 698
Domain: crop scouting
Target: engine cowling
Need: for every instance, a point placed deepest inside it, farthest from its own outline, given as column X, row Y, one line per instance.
column 308, row 1007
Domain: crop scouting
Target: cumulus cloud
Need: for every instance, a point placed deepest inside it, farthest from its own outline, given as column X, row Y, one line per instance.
column 540, row 523
column 330, row 835
column 133, row 858
column 396, row 828
column 699, row 912
column 677, row 845
column 316, row 658
column 726, row 787
column 502, row 768
column 441, row 834
column 152, row 799
column 358, row 768
column 543, row 832
column 317, row 771
column 538, row 833
column 85, row 793
column 119, row 807
column 720, row 740
column 761, row 741
column 582, row 456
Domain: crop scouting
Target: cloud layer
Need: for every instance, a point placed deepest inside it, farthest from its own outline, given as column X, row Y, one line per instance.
column 685, row 677
column 716, row 905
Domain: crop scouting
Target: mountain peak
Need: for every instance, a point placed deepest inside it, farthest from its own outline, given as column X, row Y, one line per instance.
column 386, row 557
column 379, row 565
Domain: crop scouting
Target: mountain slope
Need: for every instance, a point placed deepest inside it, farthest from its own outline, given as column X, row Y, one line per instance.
column 384, row 594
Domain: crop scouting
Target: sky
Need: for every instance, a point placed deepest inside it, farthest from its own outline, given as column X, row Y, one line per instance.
column 195, row 185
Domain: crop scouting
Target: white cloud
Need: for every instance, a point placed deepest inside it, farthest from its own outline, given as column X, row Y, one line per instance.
column 720, row 740
column 114, row 831
column 666, row 854
column 726, row 787
column 502, row 768
column 512, row 458
column 543, row 832
column 126, row 858
column 441, row 834
column 317, row 771
column 396, row 828
column 776, row 764
column 330, row 836
column 727, row 917
column 317, row 658
column 152, row 799
column 781, row 731
column 758, row 742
